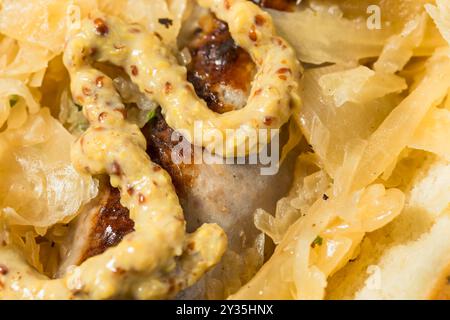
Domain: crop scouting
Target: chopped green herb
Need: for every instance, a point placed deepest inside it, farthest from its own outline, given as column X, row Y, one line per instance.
column 317, row 242
column 151, row 115
column 13, row 100
column 79, row 107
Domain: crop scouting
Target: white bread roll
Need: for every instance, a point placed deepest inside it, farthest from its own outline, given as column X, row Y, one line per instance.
column 410, row 257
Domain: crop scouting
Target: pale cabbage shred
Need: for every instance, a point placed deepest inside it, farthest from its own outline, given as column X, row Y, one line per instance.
column 335, row 188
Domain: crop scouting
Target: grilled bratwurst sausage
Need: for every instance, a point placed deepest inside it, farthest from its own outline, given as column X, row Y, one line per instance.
column 221, row 74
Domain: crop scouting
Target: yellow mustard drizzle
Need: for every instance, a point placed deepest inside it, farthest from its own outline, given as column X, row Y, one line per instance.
column 158, row 259
column 155, row 70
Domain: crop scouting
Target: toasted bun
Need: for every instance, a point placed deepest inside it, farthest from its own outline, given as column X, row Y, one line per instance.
column 410, row 257
column 412, row 271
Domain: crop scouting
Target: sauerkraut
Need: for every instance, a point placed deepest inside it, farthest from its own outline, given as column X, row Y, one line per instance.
column 39, row 186
column 363, row 129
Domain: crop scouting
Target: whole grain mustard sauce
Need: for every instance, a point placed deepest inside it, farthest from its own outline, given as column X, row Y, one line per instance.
column 159, row 258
